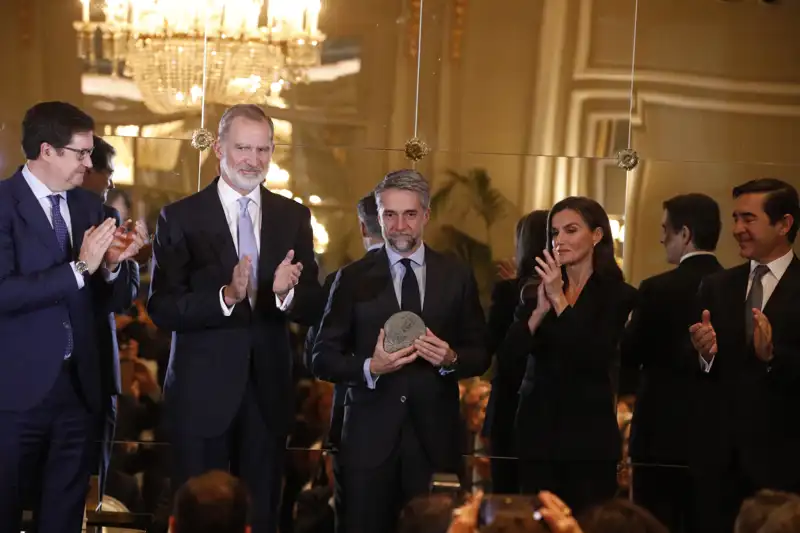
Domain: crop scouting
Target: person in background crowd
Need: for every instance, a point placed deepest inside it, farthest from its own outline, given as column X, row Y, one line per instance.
column 119, row 200
column 214, row 502
column 63, row 272
column 747, row 336
column 770, row 506
column 372, row 239
column 531, row 240
column 656, row 347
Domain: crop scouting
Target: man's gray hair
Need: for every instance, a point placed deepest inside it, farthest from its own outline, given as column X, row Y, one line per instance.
column 405, row 180
column 248, row 111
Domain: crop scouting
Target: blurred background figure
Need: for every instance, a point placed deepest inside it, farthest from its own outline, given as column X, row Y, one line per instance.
column 214, row 502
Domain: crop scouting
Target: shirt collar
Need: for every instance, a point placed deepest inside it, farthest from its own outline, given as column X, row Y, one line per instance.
column 40, row 190
column 417, row 257
column 375, row 246
column 695, row 254
column 230, row 196
column 778, row 266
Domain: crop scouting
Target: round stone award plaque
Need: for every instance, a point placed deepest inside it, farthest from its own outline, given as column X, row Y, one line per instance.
column 401, row 330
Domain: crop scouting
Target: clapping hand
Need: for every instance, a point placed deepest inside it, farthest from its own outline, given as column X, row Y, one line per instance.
column 126, row 243
column 704, row 338
column 549, row 270
column 96, row 241
column 762, row 336
column 236, row 290
column 287, row 275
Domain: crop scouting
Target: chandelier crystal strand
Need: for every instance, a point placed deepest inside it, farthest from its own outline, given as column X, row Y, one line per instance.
column 163, row 45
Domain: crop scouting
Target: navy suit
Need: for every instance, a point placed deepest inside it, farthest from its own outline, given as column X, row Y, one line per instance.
column 228, row 390
column 48, row 404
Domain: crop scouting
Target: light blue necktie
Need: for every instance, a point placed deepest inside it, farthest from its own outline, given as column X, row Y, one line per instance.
column 247, row 244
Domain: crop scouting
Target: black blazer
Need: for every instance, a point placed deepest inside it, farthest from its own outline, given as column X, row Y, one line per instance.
column 746, row 408
column 566, row 405
column 361, row 300
column 339, row 389
column 210, row 361
column 39, row 294
column 657, row 347
column 502, row 406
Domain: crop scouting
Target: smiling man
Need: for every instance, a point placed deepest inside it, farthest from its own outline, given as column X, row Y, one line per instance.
column 401, row 420
column 63, row 272
column 233, row 264
column 748, row 339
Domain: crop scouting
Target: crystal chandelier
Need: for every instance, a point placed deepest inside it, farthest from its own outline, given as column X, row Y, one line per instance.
column 177, row 51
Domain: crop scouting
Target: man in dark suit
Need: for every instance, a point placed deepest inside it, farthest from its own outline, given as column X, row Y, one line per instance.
column 98, row 180
column 401, row 420
column 748, row 338
column 232, row 264
column 657, row 348
column 372, row 238
column 63, row 272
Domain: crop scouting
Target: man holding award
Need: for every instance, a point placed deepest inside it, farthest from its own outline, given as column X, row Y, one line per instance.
column 402, row 326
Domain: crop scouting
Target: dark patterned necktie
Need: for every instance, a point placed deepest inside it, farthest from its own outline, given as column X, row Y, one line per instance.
column 755, row 300
column 62, row 235
column 409, row 293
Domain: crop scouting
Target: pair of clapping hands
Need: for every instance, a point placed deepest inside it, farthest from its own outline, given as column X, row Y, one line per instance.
column 286, row 276
column 110, row 245
column 704, row 336
column 430, row 347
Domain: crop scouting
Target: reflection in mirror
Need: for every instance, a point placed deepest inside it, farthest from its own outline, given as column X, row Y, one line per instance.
column 528, row 77
column 724, row 90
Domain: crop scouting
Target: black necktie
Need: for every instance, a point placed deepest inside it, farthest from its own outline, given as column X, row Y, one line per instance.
column 755, row 300
column 409, row 294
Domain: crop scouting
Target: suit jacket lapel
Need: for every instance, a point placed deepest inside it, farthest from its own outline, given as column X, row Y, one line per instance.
column 269, row 254
column 784, row 296
column 380, row 277
column 31, row 211
column 79, row 220
column 217, row 223
column 434, row 286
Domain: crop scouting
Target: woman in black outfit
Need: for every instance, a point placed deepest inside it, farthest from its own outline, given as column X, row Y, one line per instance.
column 567, row 436
column 531, row 240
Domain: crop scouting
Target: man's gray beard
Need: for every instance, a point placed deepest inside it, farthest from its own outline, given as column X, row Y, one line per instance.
column 244, row 183
column 412, row 242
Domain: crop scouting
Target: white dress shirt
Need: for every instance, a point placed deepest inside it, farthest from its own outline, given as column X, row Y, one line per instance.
column 769, row 282
column 694, row 254
column 42, row 194
column 230, row 205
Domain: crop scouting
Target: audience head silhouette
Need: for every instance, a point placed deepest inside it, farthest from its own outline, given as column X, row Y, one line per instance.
column 215, row 502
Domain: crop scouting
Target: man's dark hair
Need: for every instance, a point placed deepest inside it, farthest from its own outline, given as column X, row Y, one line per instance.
column 118, row 194
column 53, row 123
column 102, row 154
column 700, row 214
column 427, row 514
column 215, row 502
column 757, row 510
column 620, row 515
column 781, row 200
column 368, row 214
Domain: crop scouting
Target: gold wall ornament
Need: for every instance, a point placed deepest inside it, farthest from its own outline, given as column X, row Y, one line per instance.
column 416, row 149
column 202, row 139
column 457, row 32
column 627, row 158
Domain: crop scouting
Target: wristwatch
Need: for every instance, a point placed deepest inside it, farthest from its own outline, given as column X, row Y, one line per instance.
column 81, row 267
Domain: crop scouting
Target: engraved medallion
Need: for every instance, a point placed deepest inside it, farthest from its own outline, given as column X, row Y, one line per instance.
column 401, row 330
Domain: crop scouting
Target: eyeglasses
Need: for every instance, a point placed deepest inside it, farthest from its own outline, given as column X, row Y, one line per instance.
column 80, row 152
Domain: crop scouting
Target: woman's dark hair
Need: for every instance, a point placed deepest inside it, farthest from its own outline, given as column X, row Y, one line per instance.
column 620, row 516
column 531, row 242
column 604, row 263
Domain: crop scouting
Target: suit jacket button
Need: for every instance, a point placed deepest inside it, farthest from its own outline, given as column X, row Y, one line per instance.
column 402, row 399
